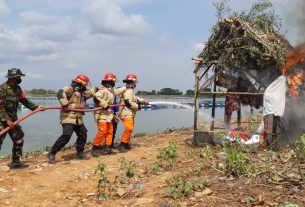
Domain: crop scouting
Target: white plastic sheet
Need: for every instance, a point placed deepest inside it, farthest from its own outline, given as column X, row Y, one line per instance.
column 275, row 97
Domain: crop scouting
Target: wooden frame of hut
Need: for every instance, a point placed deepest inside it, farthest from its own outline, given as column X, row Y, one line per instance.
column 237, row 55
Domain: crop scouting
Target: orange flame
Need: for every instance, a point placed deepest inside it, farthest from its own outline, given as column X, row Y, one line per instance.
column 293, row 58
column 294, row 82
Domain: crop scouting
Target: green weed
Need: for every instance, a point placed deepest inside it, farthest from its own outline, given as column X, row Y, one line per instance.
column 180, row 186
column 128, row 169
column 207, row 153
column 166, row 157
column 237, row 163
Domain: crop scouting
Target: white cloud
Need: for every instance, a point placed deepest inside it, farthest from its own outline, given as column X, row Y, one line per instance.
column 21, row 44
column 105, row 16
column 63, row 30
column 45, row 57
column 4, row 10
column 33, row 76
column 37, row 18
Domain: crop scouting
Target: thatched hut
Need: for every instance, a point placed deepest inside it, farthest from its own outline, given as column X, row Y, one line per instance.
column 241, row 57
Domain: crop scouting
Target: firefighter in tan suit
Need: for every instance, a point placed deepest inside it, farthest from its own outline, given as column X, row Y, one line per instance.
column 72, row 97
column 128, row 112
column 103, row 98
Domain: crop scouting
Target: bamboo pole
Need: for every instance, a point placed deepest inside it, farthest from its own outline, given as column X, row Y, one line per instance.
column 214, row 100
column 196, row 101
column 223, row 93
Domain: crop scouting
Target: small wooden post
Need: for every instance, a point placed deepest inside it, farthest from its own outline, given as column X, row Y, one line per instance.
column 239, row 105
column 196, row 101
column 214, row 103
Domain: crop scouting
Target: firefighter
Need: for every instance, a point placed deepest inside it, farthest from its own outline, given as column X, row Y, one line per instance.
column 71, row 97
column 103, row 98
column 128, row 112
column 10, row 96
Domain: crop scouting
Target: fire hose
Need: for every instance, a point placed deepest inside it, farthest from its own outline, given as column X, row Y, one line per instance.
column 54, row 107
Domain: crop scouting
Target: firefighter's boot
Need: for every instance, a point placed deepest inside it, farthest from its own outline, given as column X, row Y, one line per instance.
column 122, row 148
column 127, row 146
column 82, row 156
column 108, row 150
column 95, row 152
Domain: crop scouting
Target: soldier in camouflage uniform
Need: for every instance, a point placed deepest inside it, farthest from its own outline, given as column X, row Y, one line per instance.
column 10, row 96
column 71, row 97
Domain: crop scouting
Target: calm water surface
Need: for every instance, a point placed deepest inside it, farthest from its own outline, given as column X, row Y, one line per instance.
column 43, row 128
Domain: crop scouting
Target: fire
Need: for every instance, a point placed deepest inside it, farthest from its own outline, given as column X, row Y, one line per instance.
column 294, row 57
column 294, row 82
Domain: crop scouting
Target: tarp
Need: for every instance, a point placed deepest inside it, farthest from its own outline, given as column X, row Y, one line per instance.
column 275, row 97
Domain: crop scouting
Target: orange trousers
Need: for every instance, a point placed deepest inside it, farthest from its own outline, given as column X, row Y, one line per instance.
column 128, row 129
column 105, row 131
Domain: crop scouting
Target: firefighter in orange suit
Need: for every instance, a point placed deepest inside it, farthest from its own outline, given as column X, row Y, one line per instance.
column 128, row 112
column 103, row 98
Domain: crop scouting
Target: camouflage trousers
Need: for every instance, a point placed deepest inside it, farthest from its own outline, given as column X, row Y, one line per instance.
column 16, row 135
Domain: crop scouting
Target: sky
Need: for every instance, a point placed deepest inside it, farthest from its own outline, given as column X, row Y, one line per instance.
column 52, row 41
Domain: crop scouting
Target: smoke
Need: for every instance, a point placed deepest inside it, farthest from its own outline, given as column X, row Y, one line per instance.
column 294, row 20
column 301, row 22
column 293, row 123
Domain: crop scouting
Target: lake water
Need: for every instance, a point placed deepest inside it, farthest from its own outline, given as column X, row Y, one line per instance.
column 43, row 128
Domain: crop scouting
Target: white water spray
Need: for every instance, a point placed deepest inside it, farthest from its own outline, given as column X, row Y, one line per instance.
column 185, row 106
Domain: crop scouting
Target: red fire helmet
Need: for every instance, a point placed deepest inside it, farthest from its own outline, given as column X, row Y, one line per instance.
column 82, row 79
column 131, row 77
column 109, row 77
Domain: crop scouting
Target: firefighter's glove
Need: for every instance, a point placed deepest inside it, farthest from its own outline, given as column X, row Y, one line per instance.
column 145, row 102
column 106, row 106
column 65, row 108
column 139, row 105
column 41, row 108
column 87, row 94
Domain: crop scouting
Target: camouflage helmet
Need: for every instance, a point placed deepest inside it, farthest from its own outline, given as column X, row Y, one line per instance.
column 14, row 72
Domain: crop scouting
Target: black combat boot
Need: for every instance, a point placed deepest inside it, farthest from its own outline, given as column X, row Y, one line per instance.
column 101, row 147
column 82, row 156
column 127, row 146
column 51, row 157
column 95, row 152
column 122, row 148
column 108, row 150
column 16, row 164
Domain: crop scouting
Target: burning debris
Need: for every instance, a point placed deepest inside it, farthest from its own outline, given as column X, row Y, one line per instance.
column 294, row 69
column 245, row 53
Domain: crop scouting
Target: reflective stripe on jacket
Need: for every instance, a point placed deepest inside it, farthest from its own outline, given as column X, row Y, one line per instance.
column 73, row 99
column 133, row 100
column 103, row 98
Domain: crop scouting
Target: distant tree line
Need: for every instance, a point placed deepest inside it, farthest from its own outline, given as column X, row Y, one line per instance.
column 41, row 92
column 170, row 91
column 163, row 91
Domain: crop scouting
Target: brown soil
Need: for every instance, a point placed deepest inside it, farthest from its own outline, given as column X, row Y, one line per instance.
column 71, row 182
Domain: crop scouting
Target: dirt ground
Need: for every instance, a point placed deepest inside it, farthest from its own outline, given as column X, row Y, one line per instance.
column 71, row 182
